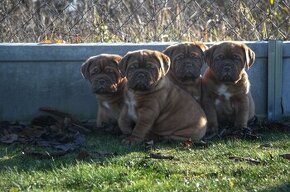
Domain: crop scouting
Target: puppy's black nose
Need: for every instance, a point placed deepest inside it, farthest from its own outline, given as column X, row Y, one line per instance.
column 101, row 81
column 227, row 68
column 141, row 75
column 188, row 65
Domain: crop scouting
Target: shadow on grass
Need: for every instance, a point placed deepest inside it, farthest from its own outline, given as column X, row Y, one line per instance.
column 99, row 148
column 284, row 187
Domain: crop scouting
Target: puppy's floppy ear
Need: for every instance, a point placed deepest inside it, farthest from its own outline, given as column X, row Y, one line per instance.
column 250, row 56
column 123, row 63
column 169, row 50
column 201, row 45
column 202, row 48
column 208, row 55
column 85, row 69
column 117, row 59
column 164, row 61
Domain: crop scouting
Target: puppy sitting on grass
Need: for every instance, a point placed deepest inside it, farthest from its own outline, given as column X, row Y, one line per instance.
column 155, row 107
column 227, row 97
column 186, row 63
column 108, row 84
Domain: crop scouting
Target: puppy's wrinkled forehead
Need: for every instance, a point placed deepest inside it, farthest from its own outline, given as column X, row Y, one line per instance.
column 102, row 61
column 187, row 49
column 229, row 50
column 144, row 57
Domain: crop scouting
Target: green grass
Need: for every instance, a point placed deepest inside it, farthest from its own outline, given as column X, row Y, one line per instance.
column 197, row 169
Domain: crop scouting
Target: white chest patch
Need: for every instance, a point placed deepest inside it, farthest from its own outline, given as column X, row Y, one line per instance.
column 131, row 103
column 223, row 91
column 217, row 102
column 106, row 105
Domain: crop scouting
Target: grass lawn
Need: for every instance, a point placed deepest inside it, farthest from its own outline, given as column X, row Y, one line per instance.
column 111, row 166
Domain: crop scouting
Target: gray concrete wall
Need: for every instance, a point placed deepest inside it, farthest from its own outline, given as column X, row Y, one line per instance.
column 38, row 75
column 286, row 79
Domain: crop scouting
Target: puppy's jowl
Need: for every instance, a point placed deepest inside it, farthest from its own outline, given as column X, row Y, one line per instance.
column 186, row 63
column 108, row 83
column 226, row 88
column 155, row 107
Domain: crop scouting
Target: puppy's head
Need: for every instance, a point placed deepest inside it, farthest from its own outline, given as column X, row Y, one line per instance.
column 186, row 60
column 144, row 68
column 103, row 73
column 229, row 60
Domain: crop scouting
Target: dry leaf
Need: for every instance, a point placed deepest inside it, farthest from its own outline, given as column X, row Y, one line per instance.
column 82, row 155
column 286, row 156
column 149, row 144
column 160, row 156
column 10, row 138
column 247, row 159
column 187, row 143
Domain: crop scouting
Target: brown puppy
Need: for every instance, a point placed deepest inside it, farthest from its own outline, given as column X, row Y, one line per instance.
column 108, row 84
column 186, row 62
column 226, row 87
column 155, row 106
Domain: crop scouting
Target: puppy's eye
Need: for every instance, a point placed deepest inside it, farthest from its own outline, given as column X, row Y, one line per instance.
column 195, row 57
column 95, row 71
column 218, row 58
column 148, row 66
column 178, row 59
column 108, row 70
column 237, row 58
column 131, row 67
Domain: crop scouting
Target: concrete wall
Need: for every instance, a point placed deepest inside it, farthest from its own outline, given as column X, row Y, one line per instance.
column 286, row 79
column 38, row 75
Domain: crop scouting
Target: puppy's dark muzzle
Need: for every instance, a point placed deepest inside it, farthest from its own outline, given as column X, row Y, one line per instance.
column 140, row 81
column 227, row 73
column 189, row 72
column 101, row 82
column 101, row 85
column 141, row 76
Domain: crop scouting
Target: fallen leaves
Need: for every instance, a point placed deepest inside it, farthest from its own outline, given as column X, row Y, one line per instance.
column 65, row 119
column 244, row 133
column 56, row 134
column 286, row 156
column 189, row 144
column 149, row 145
column 9, row 138
column 252, row 132
column 278, row 126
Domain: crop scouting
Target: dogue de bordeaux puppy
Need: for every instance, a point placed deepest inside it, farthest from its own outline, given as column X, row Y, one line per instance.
column 108, row 83
column 186, row 63
column 156, row 107
column 226, row 88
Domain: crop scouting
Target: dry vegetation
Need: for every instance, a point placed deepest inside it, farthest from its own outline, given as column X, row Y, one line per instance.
column 78, row 21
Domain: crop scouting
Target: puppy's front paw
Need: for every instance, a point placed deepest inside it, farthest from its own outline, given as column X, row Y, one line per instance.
column 211, row 132
column 132, row 140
